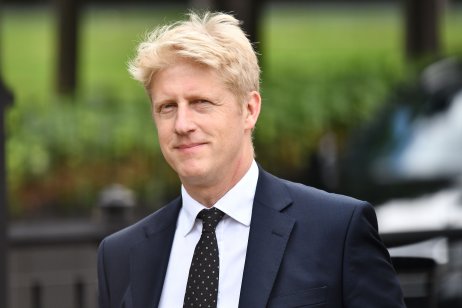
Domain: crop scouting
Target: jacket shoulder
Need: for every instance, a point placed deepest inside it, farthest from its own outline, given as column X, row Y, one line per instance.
column 313, row 197
column 138, row 231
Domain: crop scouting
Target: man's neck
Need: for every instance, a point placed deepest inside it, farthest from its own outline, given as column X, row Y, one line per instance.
column 208, row 195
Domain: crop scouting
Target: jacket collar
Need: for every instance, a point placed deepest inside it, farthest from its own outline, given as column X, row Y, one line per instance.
column 149, row 258
column 270, row 230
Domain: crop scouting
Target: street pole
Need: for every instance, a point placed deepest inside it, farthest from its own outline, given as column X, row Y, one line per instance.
column 5, row 99
column 68, row 12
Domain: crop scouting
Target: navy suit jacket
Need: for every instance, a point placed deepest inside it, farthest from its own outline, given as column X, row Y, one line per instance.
column 306, row 248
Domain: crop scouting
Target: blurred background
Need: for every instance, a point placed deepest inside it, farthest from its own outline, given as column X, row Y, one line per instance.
column 359, row 97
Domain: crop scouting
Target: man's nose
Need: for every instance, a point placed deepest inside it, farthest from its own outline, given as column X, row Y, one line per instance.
column 184, row 121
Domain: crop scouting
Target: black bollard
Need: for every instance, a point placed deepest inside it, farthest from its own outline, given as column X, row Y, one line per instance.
column 116, row 203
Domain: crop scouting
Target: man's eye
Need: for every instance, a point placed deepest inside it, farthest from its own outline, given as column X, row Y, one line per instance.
column 202, row 103
column 166, row 108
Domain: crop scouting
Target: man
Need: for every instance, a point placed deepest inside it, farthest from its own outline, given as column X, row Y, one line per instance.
column 265, row 242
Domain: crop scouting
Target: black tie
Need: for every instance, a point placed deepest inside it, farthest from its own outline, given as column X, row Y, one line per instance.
column 202, row 287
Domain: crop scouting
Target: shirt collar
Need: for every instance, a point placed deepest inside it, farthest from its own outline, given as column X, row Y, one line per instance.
column 236, row 203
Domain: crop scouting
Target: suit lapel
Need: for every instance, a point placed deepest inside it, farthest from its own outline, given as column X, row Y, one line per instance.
column 269, row 232
column 149, row 258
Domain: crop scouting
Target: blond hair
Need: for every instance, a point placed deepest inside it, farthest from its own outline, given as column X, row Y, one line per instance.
column 213, row 39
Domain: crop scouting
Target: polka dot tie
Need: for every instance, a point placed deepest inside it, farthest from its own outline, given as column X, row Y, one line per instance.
column 202, row 287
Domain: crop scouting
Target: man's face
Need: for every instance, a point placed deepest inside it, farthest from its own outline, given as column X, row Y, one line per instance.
column 204, row 132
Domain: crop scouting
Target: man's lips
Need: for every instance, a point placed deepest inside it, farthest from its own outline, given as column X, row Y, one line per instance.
column 187, row 146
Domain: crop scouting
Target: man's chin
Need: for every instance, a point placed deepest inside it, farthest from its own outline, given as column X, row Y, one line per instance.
column 189, row 174
column 194, row 177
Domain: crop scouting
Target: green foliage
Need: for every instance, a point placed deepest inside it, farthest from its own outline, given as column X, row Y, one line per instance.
column 324, row 69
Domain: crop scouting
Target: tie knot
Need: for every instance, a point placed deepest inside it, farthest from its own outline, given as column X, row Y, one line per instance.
column 210, row 219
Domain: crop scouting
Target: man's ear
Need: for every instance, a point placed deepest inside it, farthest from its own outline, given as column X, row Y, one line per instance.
column 252, row 109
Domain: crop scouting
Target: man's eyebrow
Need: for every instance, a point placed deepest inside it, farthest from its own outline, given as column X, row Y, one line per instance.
column 161, row 101
column 194, row 97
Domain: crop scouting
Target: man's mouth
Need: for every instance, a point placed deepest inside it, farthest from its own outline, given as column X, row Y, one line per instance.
column 188, row 146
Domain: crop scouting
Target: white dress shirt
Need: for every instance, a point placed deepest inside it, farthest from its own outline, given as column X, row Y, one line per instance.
column 232, row 237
